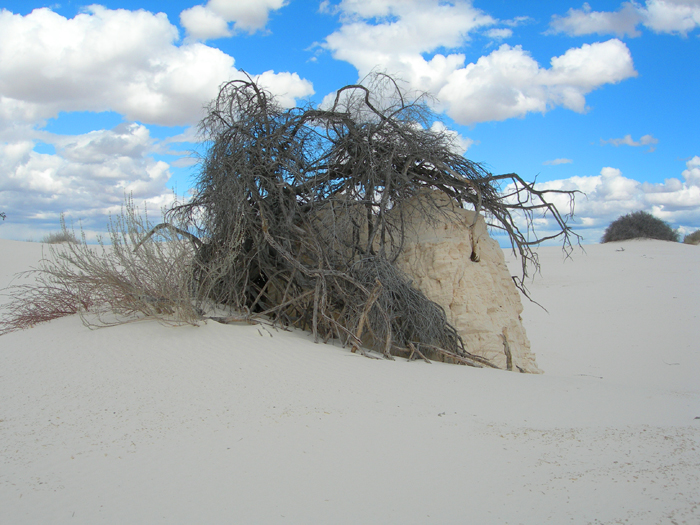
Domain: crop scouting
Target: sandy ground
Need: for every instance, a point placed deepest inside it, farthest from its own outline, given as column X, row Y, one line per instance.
column 144, row 423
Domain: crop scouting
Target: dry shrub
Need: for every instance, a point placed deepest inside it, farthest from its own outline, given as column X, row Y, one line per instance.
column 60, row 237
column 692, row 238
column 639, row 225
column 108, row 284
column 300, row 215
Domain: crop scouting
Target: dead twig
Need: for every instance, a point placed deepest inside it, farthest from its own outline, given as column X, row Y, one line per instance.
column 415, row 350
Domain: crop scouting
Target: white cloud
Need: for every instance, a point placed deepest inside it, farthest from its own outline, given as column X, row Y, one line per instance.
column 661, row 16
column 406, row 39
column 128, row 62
column 556, row 162
column 460, row 143
column 499, row 34
column 585, row 22
column 204, row 22
column 587, row 67
column 692, row 173
column 119, row 60
column 645, row 140
column 407, row 9
column 672, row 16
column 393, row 35
column 510, row 83
column 287, row 87
column 610, row 195
column 518, row 20
column 87, row 178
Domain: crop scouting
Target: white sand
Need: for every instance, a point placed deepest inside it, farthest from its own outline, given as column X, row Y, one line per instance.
column 231, row 424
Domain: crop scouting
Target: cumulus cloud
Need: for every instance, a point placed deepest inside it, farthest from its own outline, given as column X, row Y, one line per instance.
column 118, row 60
column 610, row 194
column 510, row 83
column 692, row 173
column 128, row 62
column 211, row 20
column 556, row 162
column 393, row 34
column 646, row 140
column 87, row 178
column 407, row 39
column 672, row 16
column 204, row 24
column 287, row 87
column 675, row 196
column 661, row 16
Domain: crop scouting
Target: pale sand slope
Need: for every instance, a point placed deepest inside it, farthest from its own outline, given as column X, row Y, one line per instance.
column 231, row 424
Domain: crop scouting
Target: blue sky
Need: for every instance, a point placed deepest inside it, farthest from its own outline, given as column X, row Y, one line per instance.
column 101, row 99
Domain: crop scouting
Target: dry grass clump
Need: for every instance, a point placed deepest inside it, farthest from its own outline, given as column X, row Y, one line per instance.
column 639, row 225
column 108, row 284
column 692, row 238
column 60, row 237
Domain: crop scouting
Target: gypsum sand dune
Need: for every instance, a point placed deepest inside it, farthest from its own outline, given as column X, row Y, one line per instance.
column 144, row 423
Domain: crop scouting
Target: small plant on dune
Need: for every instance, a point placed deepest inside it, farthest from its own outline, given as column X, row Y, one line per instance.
column 692, row 238
column 60, row 237
column 639, row 225
column 137, row 276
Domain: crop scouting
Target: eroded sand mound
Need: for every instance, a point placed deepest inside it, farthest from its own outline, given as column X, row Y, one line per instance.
column 479, row 297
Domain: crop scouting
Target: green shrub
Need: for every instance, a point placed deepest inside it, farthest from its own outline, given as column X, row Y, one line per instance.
column 692, row 238
column 639, row 225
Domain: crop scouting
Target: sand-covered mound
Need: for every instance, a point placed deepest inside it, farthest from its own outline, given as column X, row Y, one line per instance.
column 144, row 423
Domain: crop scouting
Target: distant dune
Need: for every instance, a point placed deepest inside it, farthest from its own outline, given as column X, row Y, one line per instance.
column 143, row 423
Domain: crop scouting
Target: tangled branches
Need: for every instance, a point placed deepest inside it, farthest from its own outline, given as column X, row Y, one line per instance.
column 299, row 211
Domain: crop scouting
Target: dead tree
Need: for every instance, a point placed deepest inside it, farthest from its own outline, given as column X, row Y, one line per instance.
column 298, row 212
